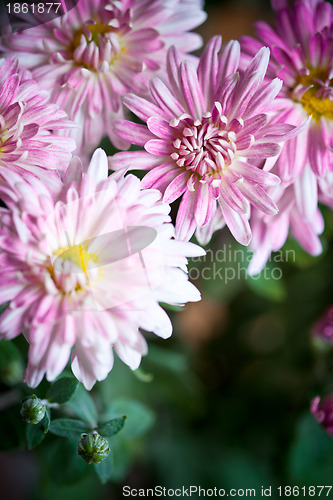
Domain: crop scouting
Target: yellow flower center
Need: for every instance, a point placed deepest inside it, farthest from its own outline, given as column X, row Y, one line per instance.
column 310, row 101
column 97, row 34
column 77, row 254
column 95, row 30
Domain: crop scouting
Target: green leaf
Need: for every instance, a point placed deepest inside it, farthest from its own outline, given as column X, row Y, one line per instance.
column 104, row 469
column 269, row 283
column 11, row 363
column 111, row 427
column 254, row 474
column 62, row 390
column 311, row 455
column 139, row 417
column 123, row 454
column 66, row 466
column 4, row 306
column 220, row 274
column 82, row 404
column 170, row 307
column 143, row 376
column 297, row 256
column 173, row 361
column 68, row 427
column 35, row 433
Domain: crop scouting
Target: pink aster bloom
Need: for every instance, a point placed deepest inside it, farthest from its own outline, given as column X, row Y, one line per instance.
column 302, row 56
column 270, row 233
column 322, row 410
column 88, row 270
column 29, row 125
column 99, row 51
column 206, row 134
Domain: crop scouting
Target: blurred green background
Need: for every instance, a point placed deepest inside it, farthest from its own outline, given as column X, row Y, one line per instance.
column 225, row 402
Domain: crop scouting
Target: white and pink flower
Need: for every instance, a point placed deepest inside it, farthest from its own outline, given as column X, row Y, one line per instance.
column 87, row 269
column 302, row 56
column 207, row 135
column 271, row 232
column 30, row 127
column 301, row 47
column 99, row 51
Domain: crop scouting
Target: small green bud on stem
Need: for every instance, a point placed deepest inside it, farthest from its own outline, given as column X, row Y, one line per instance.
column 93, row 448
column 33, row 410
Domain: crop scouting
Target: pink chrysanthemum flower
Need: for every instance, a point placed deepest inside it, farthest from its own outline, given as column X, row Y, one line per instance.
column 302, row 56
column 270, row 233
column 101, row 50
column 206, row 132
column 88, row 270
column 27, row 125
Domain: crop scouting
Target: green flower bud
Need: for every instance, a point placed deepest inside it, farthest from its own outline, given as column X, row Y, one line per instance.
column 33, row 410
column 93, row 448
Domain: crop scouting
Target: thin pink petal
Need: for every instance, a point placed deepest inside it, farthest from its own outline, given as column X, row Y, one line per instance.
column 158, row 147
column 207, row 69
column 176, row 187
column 185, row 222
column 191, row 89
column 237, row 223
column 133, row 132
column 163, row 98
column 133, row 160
